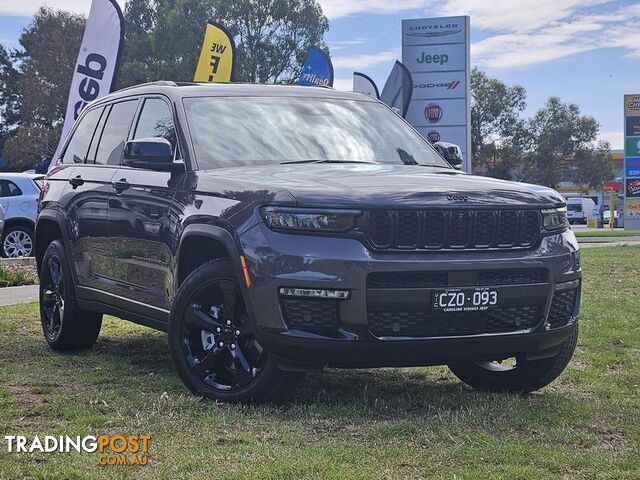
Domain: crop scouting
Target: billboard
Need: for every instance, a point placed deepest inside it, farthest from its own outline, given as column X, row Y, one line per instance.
column 436, row 52
column 632, row 161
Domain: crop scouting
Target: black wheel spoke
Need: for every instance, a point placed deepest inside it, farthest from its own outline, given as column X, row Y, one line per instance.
column 243, row 367
column 210, row 360
column 229, row 299
column 216, row 315
column 195, row 315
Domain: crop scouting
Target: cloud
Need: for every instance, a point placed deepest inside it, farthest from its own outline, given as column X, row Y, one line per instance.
column 363, row 61
column 523, row 15
column 572, row 32
column 27, row 8
column 343, row 8
column 616, row 139
column 345, row 84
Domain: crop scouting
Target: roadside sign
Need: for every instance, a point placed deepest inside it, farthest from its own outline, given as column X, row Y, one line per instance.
column 632, row 161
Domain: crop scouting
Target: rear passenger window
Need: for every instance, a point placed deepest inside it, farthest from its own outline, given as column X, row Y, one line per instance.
column 156, row 120
column 9, row 189
column 115, row 132
column 76, row 151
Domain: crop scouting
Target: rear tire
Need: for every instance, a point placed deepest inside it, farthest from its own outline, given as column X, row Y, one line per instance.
column 526, row 376
column 64, row 324
column 212, row 342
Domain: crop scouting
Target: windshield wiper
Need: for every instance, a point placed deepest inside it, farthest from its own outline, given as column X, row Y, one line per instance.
column 325, row 161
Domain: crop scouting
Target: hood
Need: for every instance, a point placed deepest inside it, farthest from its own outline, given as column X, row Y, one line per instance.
column 359, row 185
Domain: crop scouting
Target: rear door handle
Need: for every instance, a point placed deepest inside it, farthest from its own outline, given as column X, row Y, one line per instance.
column 121, row 185
column 76, row 181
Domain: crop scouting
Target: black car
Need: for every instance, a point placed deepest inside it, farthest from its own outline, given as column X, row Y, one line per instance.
column 272, row 230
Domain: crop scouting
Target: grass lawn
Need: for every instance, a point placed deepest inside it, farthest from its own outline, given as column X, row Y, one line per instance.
column 391, row 423
column 607, row 233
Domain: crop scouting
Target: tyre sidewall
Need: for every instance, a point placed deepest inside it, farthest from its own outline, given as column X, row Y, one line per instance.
column 260, row 387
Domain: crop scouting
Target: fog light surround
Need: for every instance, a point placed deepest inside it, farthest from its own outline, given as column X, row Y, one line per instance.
column 314, row 293
column 561, row 287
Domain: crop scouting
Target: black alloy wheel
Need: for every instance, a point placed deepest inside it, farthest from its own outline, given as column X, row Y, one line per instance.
column 217, row 340
column 53, row 296
column 213, row 342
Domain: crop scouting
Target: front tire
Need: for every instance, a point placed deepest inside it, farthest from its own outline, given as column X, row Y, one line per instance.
column 523, row 377
column 64, row 324
column 212, row 342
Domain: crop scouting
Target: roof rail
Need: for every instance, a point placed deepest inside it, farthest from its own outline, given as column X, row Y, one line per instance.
column 166, row 83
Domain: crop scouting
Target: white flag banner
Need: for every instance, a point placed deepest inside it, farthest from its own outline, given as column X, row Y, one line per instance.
column 97, row 64
column 363, row 84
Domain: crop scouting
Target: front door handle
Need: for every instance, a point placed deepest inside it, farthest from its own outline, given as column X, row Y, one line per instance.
column 121, row 185
column 76, row 181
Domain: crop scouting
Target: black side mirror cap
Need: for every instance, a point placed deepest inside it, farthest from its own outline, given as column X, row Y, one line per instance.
column 153, row 153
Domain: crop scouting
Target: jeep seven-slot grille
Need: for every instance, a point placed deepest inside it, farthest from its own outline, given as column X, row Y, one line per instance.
column 452, row 229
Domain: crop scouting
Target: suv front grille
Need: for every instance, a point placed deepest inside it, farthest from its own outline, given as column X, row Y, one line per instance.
column 452, row 229
column 434, row 324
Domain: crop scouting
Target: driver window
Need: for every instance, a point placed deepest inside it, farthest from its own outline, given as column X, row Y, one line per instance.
column 156, row 120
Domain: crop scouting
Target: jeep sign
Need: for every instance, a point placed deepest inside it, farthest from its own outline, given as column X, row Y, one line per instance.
column 436, row 52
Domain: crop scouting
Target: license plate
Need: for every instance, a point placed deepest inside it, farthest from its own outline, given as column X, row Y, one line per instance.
column 465, row 299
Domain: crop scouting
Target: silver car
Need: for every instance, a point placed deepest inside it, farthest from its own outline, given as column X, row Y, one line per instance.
column 19, row 194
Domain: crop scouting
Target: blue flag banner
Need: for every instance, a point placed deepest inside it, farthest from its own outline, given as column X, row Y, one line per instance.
column 317, row 70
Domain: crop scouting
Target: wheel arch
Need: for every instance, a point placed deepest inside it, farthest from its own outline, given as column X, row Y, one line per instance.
column 18, row 221
column 213, row 242
column 48, row 228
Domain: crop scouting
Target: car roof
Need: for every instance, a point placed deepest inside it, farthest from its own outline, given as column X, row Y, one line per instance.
column 14, row 175
column 178, row 90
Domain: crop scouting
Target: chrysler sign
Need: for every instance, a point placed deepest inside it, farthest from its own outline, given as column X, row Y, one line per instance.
column 436, row 52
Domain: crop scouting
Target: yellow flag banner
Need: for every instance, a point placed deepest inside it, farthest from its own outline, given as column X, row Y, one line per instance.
column 216, row 58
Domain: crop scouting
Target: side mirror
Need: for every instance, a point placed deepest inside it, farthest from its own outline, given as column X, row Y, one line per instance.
column 153, row 153
column 451, row 153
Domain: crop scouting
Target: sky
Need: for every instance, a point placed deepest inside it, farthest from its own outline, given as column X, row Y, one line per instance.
column 583, row 51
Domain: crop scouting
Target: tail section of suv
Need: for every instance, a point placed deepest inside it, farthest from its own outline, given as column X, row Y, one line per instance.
column 19, row 194
column 272, row 230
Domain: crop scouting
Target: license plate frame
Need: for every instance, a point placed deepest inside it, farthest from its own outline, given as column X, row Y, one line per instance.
column 473, row 299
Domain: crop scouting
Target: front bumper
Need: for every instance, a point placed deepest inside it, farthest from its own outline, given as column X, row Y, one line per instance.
column 389, row 324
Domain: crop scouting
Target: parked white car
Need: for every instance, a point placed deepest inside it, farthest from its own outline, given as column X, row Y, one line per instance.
column 19, row 194
column 579, row 209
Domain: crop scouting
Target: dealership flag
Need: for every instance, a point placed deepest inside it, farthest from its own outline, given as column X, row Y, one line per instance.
column 398, row 89
column 217, row 55
column 97, row 64
column 363, row 84
column 317, row 70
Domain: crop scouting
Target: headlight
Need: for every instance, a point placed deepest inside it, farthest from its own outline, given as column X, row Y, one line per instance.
column 555, row 219
column 309, row 220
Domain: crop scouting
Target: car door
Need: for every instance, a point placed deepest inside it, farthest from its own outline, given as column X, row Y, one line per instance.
column 96, row 153
column 5, row 196
column 141, row 233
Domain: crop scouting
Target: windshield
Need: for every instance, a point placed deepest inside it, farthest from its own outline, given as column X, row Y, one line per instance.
column 235, row 131
column 574, row 207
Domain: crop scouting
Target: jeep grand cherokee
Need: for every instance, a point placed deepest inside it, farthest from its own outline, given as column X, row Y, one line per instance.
column 272, row 230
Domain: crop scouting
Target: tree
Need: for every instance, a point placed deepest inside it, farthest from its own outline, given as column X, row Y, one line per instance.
column 42, row 72
column 273, row 36
column 562, row 138
column 593, row 166
column 163, row 37
column 498, row 133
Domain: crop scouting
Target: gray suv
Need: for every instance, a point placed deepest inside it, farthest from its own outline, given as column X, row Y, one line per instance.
column 273, row 230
